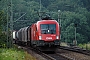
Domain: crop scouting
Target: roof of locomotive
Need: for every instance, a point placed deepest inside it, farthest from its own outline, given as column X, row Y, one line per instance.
column 47, row 21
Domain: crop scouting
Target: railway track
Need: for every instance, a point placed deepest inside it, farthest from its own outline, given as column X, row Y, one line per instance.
column 76, row 49
column 74, row 53
column 39, row 55
column 49, row 55
column 60, row 54
column 57, row 56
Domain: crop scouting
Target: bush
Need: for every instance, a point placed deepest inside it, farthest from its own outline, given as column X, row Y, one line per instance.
column 3, row 40
column 85, row 46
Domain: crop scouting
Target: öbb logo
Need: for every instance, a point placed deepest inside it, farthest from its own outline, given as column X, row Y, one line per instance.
column 48, row 37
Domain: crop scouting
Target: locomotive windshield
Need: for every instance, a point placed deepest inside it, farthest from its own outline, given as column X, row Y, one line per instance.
column 48, row 28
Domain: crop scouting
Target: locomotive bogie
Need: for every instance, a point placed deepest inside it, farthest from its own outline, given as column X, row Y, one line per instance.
column 42, row 43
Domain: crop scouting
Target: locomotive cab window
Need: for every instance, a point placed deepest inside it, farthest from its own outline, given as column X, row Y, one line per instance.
column 48, row 28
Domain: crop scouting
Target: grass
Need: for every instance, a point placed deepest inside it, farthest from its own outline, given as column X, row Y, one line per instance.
column 14, row 54
column 85, row 46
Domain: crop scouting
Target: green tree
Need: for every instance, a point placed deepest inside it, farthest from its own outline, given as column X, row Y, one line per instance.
column 2, row 29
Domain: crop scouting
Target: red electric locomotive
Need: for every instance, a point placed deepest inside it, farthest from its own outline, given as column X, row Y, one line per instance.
column 45, row 33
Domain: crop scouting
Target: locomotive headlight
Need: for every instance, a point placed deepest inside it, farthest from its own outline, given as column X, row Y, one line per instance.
column 57, row 37
column 40, row 37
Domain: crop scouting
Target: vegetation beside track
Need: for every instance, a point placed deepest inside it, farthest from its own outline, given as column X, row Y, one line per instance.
column 14, row 54
column 85, row 46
